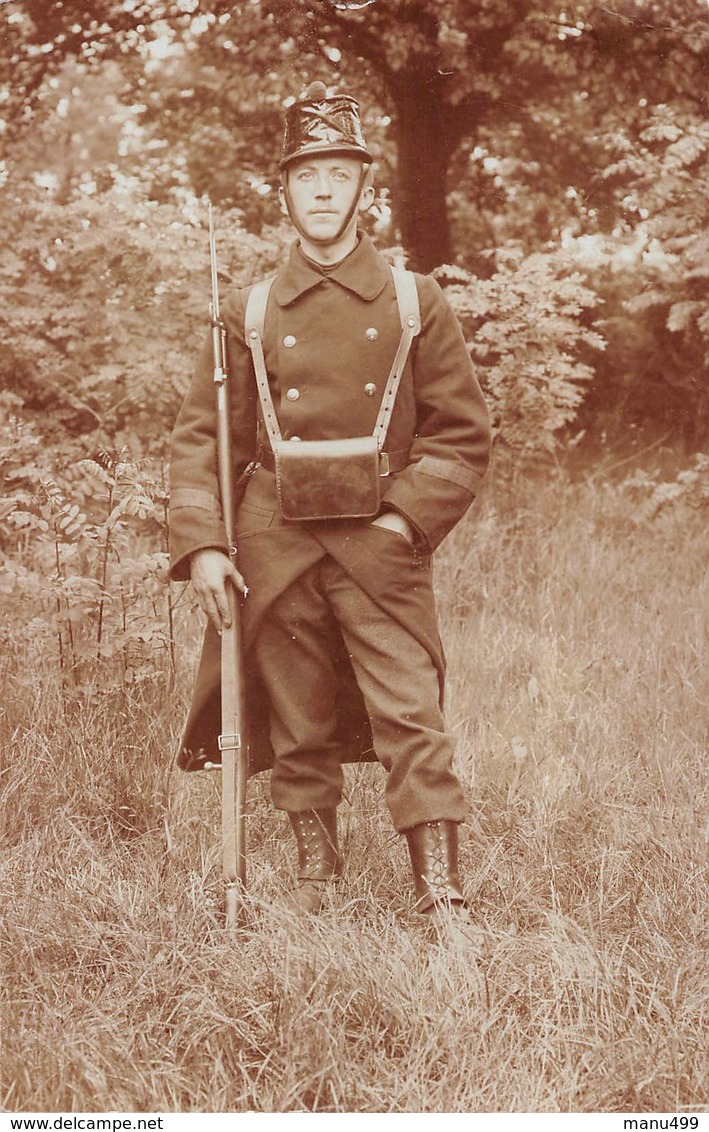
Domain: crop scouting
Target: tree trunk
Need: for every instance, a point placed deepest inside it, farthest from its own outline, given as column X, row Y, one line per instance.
column 424, row 151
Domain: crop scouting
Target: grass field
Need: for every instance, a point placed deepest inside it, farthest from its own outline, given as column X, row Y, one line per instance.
column 576, row 633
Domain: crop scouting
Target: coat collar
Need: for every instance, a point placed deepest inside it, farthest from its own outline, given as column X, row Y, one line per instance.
column 364, row 271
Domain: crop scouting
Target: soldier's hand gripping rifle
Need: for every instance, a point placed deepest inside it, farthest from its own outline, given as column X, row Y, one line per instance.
column 232, row 741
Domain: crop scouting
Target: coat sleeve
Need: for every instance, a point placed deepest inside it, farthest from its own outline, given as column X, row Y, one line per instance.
column 195, row 513
column 451, row 449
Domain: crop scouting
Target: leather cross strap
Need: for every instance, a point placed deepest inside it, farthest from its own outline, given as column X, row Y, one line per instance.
column 254, row 320
column 409, row 314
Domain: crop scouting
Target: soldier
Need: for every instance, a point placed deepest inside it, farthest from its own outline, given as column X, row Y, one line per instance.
column 340, row 636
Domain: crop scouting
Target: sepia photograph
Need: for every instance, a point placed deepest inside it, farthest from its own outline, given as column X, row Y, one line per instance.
column 354, row 561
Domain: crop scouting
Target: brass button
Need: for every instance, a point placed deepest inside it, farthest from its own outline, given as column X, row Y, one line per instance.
column 289, row 340
column 370, row 389
column 372, row 333
column 293, row 394
column 295, row 438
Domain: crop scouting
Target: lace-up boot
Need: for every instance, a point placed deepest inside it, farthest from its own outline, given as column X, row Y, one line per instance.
column 433, row 848
column 319, row 861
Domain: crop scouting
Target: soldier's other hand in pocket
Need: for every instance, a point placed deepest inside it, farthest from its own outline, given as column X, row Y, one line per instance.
column 393, row 521
column 210, row 571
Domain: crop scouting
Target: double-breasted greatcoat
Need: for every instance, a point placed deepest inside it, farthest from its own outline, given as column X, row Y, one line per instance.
column 329, row 341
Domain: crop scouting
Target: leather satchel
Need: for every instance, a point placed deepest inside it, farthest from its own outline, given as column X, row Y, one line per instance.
column 328, row 479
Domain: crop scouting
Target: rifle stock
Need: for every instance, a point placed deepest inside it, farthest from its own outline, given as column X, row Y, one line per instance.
column 233, row 738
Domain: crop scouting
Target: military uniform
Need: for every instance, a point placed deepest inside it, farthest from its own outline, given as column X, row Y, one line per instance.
column 341, row 642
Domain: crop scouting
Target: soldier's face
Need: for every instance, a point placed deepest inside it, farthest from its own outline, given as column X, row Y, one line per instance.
column 322, row 191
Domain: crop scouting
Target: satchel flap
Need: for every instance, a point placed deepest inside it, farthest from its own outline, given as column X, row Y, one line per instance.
column 350, row 447
column 328, row 479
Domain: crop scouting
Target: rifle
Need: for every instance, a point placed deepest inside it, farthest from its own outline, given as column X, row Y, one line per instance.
column 232, row 740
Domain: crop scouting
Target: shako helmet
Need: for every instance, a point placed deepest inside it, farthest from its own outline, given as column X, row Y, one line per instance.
column 317, row 124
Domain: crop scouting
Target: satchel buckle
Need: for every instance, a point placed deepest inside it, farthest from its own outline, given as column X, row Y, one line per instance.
column 384, row 464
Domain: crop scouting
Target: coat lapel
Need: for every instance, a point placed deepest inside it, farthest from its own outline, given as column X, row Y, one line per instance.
column 363, row 272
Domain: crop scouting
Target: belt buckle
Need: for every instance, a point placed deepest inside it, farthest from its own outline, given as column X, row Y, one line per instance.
column 384, row 469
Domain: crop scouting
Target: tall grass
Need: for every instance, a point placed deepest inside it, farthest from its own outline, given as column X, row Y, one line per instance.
column 576, row 638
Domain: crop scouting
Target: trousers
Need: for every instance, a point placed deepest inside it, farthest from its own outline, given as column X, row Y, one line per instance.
column 298, row 650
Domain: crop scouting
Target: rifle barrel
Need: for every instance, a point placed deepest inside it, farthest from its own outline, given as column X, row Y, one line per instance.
column 232, row 740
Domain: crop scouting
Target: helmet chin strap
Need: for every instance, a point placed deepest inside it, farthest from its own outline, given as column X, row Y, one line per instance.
column 345, row 223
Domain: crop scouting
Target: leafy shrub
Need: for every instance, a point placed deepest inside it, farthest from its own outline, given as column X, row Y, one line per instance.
column 652, row 495
column 525, row 327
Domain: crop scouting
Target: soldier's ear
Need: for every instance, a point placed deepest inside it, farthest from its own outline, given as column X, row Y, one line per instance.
column 366, row 200
column 282, row 199
column 368, row 193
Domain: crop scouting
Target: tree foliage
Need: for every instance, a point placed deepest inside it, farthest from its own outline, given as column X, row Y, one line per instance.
column 503, row 133
column 442, row 77
column 106, row 304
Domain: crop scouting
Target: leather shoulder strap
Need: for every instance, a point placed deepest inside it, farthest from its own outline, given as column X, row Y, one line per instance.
column 410, row 314
column 256, row 306
column 254, row 322
column 407, row 297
